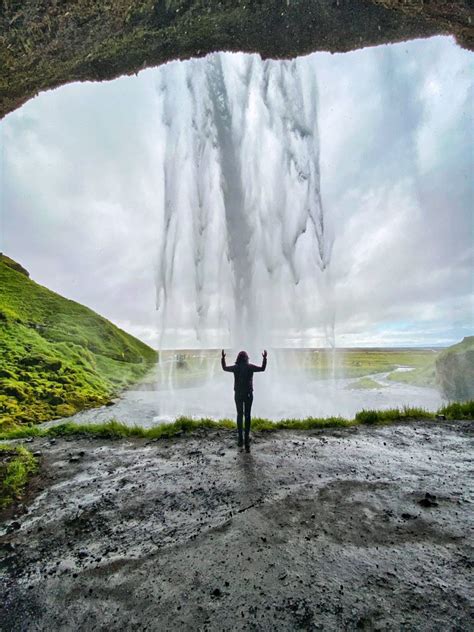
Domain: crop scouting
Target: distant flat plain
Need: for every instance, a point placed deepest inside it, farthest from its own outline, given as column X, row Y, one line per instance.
column 414, row 366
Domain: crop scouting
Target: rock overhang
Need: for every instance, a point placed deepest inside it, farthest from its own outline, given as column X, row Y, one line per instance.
column 46, row 44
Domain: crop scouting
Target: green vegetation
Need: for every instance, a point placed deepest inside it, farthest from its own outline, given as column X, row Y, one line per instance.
column 308, row 423
column 391, row 415
column 365, row 383
column 56, row 356
column 116, row 430
column 17, row 464
column 454, row 411
column 353, row 363
column 458, row 410
column 420, row 376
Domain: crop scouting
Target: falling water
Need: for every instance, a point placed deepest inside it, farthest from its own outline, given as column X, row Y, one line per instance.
column 243, row 240
column 244, row 247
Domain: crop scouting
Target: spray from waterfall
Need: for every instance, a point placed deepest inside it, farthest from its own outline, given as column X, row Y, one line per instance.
column 243, row 240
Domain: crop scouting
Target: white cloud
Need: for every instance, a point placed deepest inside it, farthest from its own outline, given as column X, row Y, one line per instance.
column 81, row 189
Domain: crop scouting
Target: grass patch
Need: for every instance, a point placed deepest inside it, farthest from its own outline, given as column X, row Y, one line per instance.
column 365, row 383
column 420, row 376
column 458, row 410
column 308, row 423
column 116, row 430
column 17, row 464
column 391, row 415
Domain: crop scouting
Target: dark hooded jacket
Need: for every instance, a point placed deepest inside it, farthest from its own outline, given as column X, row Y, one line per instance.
column 243, row 375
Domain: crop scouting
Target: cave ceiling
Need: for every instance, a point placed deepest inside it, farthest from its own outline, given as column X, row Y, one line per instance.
column 47, row 43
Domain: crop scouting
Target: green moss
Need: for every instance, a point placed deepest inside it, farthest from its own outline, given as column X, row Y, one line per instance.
column 17, row 464
column 58, row 357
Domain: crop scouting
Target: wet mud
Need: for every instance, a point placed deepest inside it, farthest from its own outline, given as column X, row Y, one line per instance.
column 352, row 529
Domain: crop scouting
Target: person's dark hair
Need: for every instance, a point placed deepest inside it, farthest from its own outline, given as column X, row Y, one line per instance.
column 242, row 358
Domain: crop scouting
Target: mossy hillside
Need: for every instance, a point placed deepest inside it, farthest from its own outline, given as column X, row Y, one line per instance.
column 57, row 356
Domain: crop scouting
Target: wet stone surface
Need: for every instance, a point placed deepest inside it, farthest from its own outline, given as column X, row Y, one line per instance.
column 311, row 531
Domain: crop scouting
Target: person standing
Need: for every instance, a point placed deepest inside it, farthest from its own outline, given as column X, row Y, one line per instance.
column 243, row 391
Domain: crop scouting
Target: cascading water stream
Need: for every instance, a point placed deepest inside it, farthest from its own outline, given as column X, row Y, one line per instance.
column 244, row 248
column 243, row 234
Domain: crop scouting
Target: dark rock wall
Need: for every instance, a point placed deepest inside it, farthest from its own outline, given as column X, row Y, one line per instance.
column 46, row 43
column 455, row 16
column 455, row 370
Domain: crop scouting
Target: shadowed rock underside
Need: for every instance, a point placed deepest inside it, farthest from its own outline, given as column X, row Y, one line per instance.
column 44, row 44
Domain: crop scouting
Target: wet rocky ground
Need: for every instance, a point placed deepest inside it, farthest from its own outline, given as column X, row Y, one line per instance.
column 352, row 529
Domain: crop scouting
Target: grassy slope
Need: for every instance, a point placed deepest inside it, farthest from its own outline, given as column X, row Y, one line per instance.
column 56, row 356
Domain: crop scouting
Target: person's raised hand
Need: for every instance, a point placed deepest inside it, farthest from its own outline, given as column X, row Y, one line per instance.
column 264, row 354
column 223, row 354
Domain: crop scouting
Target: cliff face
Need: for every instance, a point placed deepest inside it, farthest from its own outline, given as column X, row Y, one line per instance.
column 455, row 370
column 45, row 44
column 454, row 16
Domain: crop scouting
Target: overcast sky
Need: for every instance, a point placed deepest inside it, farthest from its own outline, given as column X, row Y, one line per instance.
column 80, row 193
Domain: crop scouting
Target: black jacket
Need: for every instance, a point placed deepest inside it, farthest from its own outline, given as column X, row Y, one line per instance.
column 243, row 375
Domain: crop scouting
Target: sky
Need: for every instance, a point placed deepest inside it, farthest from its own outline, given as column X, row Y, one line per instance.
column 81, row 191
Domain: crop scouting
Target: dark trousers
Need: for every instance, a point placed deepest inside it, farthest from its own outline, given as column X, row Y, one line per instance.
column 243, row 403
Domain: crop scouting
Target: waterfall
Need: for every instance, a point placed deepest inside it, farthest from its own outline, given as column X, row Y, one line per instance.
column 243, row 241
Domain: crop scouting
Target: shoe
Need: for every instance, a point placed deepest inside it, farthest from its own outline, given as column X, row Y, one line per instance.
column 240, row 442
column 247, row 445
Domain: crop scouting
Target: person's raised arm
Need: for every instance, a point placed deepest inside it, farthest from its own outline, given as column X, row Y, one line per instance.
column 223, row 364
column 264, row 363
